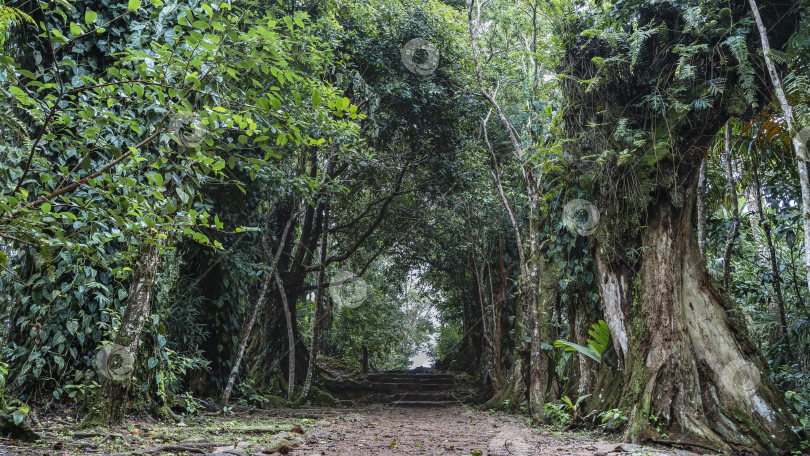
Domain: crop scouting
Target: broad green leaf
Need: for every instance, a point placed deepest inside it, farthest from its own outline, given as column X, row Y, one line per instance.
column 134, row 5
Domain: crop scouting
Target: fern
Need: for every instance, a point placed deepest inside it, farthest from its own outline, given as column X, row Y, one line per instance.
column 17, row 126
column 601, row 336
column 716, row 86
column 8, row 16
column 693, row 17
column 703, row 102
column 797, row 85
column 740, row 51
column 637, row 40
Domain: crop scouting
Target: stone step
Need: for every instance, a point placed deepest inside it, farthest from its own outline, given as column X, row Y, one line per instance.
column 411, row 374
column 407, row 387
column 412, row 388
column 412, row 379
column 423, row 396
column 421, row 403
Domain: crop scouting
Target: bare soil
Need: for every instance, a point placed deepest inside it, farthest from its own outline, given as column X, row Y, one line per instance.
column 454, row 430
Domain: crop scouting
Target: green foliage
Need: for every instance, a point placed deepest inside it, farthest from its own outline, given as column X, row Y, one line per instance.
column 601, row 337
column 613, row 419
column 145, row 111
column 16, row 408
column 557, row 414
column 391, row 322
column 448, row 340
column 573, row 406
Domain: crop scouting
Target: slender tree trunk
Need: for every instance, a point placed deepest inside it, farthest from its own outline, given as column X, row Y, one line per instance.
column 537, row 276
column 316, row 329
column 117, row 362
column 498, row 304
column 701, row 207
column 799, row 145
column 487, row 358
column 290, row 335
column 778, row 335
column 326, row 325
column 536, row 272
column 754, row 209
column 735, row 217
column 259, row 301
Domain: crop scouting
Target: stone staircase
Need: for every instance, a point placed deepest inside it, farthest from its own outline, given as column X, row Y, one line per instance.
column 399, row 388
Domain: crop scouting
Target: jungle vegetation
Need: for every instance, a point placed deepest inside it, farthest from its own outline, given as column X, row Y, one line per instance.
column 596, row 202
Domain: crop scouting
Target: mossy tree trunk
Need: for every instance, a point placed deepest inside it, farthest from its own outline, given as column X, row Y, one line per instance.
column 110, row 404
column 689, row 360
column 682, row 343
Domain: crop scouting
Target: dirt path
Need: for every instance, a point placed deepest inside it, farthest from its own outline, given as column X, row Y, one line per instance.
column 455, row 430
column 368, row 431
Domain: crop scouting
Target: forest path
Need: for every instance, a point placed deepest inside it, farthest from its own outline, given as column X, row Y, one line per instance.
column 366, row 431
column 448, row 430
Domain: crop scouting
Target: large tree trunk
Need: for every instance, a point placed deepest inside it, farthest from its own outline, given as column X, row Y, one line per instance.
column 689, row 360
column 117, row 362
column 687, row 356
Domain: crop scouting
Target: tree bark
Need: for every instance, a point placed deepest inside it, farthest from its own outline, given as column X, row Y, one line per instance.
column 701, row 207
column 690, row 360
column 117, row 365
column 536, row 276
column 580, row 323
